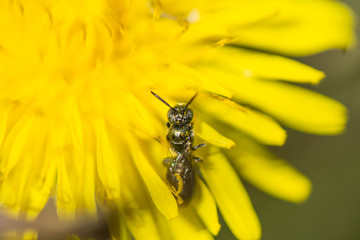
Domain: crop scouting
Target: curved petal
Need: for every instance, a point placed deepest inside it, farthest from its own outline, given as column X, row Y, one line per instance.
column 269, row 173
column 299, row 28
column 14, row 143
column 294, row 106
column 137, row 213
column 294, row 28
column 297, row 107
column 231, row 196
column 159, row 191
column 205, row 207
column 105, row 161
column 66, row 205
column 257, row 125
column 188, row 226
column 248, row 63
column 210, row 135
column 28, row 187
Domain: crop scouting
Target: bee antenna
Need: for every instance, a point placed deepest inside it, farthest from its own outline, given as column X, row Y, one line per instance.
column 190, row 101
column 158, row 97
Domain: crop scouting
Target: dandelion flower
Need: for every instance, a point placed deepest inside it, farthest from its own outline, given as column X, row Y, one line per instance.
column 78, row 123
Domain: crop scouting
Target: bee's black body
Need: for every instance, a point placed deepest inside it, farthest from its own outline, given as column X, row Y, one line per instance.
column 184, row 169
column 180, row 169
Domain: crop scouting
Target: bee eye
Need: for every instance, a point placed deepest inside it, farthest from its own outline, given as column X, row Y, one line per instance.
column 188, row 115
column 171, row 116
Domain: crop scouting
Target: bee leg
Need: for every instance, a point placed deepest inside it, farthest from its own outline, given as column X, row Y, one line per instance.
column 198, row 146
column 196, row 159
column 180, row 184
column 177, row 192
column 179, row 199
column 167, row 161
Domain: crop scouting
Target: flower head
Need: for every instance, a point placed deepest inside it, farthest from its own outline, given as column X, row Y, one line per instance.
column 78, row 122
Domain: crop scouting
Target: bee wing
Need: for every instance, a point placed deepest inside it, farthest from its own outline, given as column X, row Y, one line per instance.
column 171, row 151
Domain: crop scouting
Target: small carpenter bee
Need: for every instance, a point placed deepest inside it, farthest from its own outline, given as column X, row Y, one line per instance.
column 180, row 169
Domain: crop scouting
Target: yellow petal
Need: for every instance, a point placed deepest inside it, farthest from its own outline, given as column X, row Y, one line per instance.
column 294, row 106
column 117, row 226
column 8, row 196
column 15, row 142
column 199, row 80
column 138, row 214
column 188, row 226
column 40, row 182
column 249, row 63
column 3, row 122
column 83, row 164
column 299, row 28
column 140, row 115
column 231, row 196
column 184, row 77
column 66, row 145
column 135, row 205
column 280, row 26
column 255, row 124
column 106, row 161
column 205, row 207
column 269, row 173
column 66, row 204
column 85, row 195
column 28, row 234
column 40, row 190
column 144, row 228
column 210, row 135
column 159, row 191
column 26, row 190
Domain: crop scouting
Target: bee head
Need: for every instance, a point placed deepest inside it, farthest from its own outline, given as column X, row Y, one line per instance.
column 180, row 114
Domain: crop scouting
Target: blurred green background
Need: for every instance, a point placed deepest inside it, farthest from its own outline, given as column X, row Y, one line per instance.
column 331, row 162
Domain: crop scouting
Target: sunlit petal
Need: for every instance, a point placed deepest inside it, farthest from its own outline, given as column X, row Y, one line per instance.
column 269, row 173
column 189, row 226
column 159, row 191
column 231, row 197
column 257, row 125
column 248, row 63
column 205, row 207
column 210, row 135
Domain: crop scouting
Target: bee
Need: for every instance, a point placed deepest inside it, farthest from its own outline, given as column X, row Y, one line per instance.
column 180, row 168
